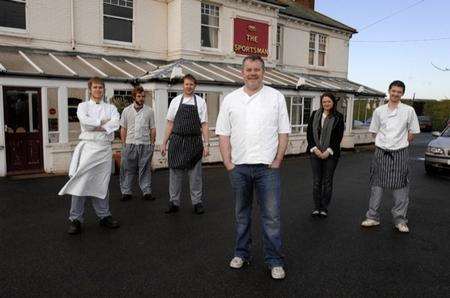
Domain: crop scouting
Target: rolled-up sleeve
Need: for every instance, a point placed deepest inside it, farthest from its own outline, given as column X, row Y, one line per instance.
column 284, row 125
column 375, row 123
column 413, row 122
column 223, row 124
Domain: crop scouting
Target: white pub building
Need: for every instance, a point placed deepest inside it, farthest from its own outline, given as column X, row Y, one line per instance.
column 49, row 49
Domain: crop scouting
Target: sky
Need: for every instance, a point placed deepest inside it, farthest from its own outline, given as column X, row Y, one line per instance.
column 377, row 64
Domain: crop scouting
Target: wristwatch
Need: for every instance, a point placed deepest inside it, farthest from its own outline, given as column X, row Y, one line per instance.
column 206, row 144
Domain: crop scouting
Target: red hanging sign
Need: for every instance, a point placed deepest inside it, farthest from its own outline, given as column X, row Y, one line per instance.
column 251, row 37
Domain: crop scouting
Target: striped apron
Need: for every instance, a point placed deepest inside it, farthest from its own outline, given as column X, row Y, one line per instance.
column 389, row 168
column 185, row 145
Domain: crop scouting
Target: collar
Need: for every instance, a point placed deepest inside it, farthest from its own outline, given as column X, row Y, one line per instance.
column 91, row 101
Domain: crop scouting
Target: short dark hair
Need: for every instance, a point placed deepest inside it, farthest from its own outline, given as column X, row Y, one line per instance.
column 397, row 83
column 137, row 89
column 254, row 58
column 333, row 99
column 189, row 77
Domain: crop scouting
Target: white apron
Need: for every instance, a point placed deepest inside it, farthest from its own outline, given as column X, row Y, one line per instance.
column 90, row 170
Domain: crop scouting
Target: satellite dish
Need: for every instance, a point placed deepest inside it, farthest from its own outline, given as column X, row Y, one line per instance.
column 301, row 81
column 177, row 73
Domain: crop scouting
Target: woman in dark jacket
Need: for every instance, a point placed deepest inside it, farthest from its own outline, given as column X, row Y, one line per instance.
column 324, row 134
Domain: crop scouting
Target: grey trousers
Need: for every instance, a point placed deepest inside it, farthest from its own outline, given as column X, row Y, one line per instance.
column 195, row 184
column 136, row 159
column 101, row 207
column 401, row 201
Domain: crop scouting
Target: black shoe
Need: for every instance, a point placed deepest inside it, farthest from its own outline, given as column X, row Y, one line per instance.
column 109, row 222
column 172, row 208
column 148, row 197
column 74, row 227
column 198, row 208
column 126, row 197
column 315, row 213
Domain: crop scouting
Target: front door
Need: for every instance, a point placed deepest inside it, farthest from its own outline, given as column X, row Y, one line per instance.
column 23, row 130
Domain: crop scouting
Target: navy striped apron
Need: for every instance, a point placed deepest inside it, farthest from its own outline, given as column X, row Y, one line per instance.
column 185, row 145
column 389, row 168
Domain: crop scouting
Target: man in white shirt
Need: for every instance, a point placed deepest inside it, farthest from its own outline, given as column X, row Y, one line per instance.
column 253, row 128
column 187, row 121
column 394, row 125
column 90, row 168
column 138, row 134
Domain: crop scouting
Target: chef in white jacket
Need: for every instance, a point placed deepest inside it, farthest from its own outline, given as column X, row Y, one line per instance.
column 90, row 168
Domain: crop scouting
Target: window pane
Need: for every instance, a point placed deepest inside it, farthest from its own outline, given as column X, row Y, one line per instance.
column 75, row 97
column 306, row 110
column 321, row 59
column 118, row 11
column 210, row 37
column 171, row 95
column 117, row 29
column 210, row 20
column 52, row 108
column 296, row 115
column 12, row 14
column 311, row 57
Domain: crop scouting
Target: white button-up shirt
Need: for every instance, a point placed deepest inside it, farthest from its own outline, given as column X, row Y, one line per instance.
column 253, row 124
column 392, row 126
column 201, row 107
column 90, row 115
column 138, row 124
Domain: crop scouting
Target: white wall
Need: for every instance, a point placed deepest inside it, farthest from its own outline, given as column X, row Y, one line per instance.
column 48, row 26
column 296, row 49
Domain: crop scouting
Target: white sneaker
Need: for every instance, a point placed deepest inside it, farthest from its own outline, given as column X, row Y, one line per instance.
column 236, row 263
column 277, row 272
column 402, row 228
column 370, row 223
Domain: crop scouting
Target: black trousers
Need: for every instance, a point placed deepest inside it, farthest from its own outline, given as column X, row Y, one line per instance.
column 323, row 172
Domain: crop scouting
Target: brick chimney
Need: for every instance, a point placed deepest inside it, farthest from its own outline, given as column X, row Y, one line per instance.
column 306, row 3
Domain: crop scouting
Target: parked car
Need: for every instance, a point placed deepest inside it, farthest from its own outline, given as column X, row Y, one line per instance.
column 437, row 155
column 425, row 123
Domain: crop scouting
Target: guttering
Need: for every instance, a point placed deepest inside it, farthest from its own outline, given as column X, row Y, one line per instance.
column 72, row 25
column 278, row 6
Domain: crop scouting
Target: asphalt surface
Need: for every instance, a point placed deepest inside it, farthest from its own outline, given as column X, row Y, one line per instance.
column 187, row 255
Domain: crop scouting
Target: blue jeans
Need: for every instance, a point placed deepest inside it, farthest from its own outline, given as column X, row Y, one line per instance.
column 267, row 184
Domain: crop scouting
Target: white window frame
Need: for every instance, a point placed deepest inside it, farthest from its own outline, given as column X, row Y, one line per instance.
column 119, row 42
column 317, row 41
column 13, row 30
column 322, row 37
column 279, row 43
column 217, row 8
column 302, row 126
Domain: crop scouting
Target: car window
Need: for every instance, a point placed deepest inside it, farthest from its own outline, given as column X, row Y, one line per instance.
column 446, row 132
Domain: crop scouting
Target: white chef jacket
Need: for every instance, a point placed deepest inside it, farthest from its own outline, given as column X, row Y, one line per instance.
column 253, row 124
column 392, row 127
column 90, row 114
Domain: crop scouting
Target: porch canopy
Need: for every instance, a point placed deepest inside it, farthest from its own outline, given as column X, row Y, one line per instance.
column 72, row 65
